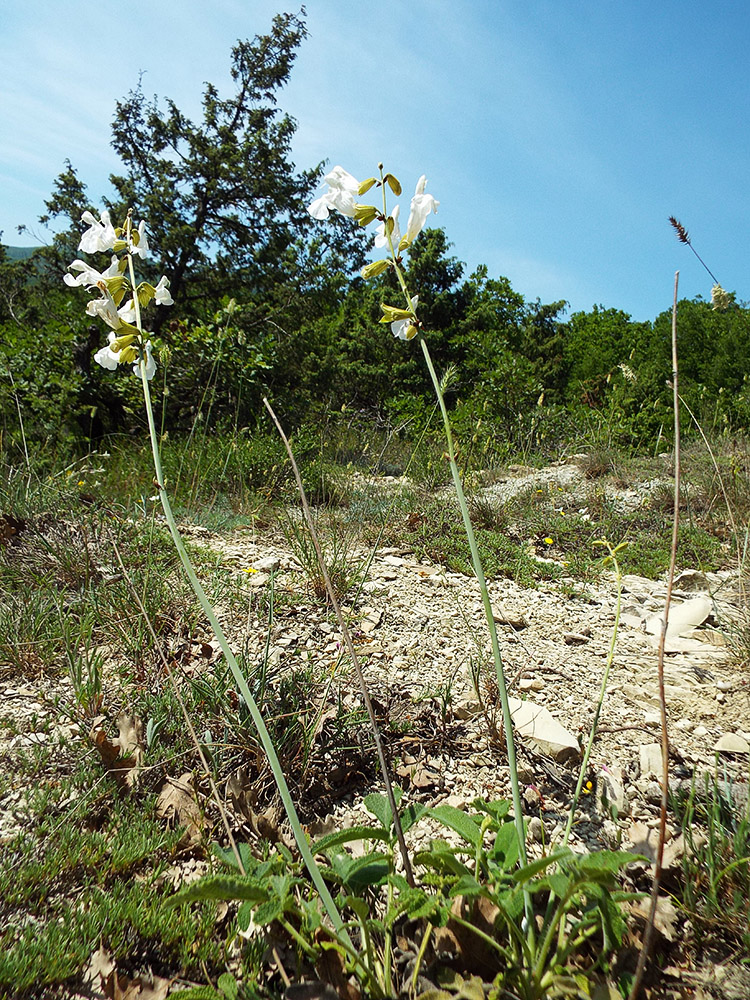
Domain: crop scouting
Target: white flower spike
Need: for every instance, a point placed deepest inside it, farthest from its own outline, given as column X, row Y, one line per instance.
column 127, row 342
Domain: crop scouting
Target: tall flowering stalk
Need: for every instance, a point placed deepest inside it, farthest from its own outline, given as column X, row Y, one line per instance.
column 343, row 195
column 119, row 304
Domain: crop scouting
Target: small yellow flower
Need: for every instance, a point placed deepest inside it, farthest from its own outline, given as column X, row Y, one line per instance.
column 249, row 570
column 549, row 541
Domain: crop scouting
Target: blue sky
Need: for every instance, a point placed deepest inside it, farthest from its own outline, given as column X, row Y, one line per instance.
column 558, row 136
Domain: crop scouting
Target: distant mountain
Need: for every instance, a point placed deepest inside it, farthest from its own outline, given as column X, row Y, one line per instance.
column 19, row 253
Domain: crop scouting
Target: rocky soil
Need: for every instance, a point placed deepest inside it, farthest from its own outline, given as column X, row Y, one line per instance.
column 422, row 638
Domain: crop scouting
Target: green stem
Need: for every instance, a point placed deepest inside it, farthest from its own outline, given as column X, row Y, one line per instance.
column 482, row 935
column 297, row 937
column 273, row 759
column 487, row 605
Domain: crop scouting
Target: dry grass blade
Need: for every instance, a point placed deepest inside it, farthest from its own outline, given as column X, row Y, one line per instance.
column 351, row 650
column 650, row 924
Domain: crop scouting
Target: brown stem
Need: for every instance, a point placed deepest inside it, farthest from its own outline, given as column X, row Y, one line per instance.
column 658, row 866
column 346, row 635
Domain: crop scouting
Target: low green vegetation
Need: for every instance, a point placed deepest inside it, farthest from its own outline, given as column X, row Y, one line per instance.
column 89, row 865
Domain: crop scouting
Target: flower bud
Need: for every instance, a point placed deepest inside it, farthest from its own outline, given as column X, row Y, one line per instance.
column 127, row 355
column 365, row 214
column 146, row 292
column 391, row 314
column 116, row 285
column 393, row 184
column 375, row 268
column 365, row 186
column 122, row 343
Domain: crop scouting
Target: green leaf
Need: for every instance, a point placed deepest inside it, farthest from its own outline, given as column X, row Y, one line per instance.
column 268, row 911
column 498, row 808
column 228, row 986
column 442, row 859
column 411, row 814
column 511, row 903
column 505, row 851
column 467, row 885
column 218, row 887
column 465, row 826
column 559, row 884
column 245, row 915
column 359, row 906
column 529, row 871
column 379, row 806
column 345, row 836
column 415, row 903
column 369, row 870
column 226, row 856
column 202, row 993
column 608, row 862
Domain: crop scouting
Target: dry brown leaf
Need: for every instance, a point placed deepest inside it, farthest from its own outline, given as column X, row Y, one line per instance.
column 10, row 527
column 100, row 968
column 121, row 756
column 239, row 789
column 177, row 805
column 474, row 955
column 123, row 769
column 154, row 988
column 104, row 981
column 665, row 918
column 331, row 968
column 130, row 739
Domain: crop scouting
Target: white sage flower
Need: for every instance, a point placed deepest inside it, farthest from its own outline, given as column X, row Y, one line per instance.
column 342, row 194
column 100, row 236
column 421, row 206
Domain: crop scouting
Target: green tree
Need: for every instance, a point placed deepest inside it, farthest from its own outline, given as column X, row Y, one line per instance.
column 596, row 343
column 225, row 206
column 542, row 342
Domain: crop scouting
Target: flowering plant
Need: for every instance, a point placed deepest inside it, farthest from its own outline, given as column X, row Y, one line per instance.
column 341, row 196
column 542, row 944
column 127, row 343
column 343, row 190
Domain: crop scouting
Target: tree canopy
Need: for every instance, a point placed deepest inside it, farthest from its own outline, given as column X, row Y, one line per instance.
column 269, row 302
